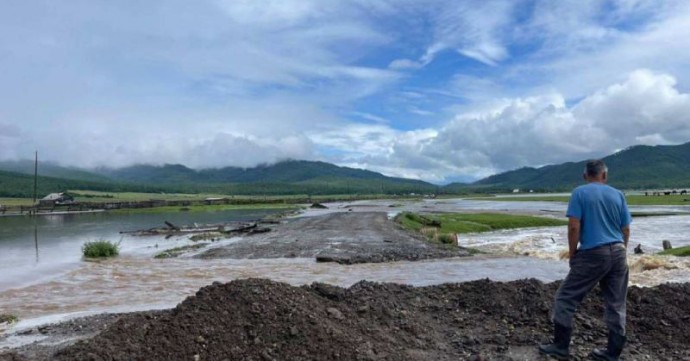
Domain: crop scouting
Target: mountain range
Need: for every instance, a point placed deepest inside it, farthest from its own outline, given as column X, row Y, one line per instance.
column 637, row 167
column 288, row 177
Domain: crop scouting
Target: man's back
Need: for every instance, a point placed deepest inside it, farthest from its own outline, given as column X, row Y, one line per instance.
column 602, row 212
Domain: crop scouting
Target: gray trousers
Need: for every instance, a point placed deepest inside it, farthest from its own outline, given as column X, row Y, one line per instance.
column 605, row 265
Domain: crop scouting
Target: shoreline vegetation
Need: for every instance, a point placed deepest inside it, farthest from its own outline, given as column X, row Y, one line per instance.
column 443, row 229
column 100, row 249
column 678, row 252
column 433, row 225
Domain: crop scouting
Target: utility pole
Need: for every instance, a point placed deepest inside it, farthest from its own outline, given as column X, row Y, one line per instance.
column 35, row 180
column 35, row 177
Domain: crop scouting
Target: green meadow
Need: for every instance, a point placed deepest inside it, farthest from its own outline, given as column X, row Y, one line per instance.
column 474, row 222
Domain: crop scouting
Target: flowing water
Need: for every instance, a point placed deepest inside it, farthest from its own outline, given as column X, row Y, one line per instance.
column 41, row 248
column 42, row 276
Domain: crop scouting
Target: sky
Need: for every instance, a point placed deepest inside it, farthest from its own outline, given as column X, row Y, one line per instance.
column 438, row 90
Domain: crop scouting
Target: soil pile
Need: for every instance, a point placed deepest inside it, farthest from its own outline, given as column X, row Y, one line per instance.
column 482, row 320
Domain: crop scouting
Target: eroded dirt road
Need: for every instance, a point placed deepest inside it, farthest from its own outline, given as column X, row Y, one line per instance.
column 344, row 237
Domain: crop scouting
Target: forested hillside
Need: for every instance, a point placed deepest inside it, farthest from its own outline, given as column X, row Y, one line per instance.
column 638, row 167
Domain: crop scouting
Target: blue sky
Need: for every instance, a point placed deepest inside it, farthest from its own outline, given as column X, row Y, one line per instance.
column 437, row 90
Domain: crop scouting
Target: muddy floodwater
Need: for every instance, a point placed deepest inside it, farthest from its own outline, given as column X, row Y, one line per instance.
column 43, row 278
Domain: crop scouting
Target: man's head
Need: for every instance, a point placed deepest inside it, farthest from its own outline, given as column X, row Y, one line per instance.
column 596, row 171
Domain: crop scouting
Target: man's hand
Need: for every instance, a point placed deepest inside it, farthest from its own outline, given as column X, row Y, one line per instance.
column 573, row 235
column 626, row 235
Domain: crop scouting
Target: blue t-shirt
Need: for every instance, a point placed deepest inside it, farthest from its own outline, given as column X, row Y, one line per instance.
column 602, row 212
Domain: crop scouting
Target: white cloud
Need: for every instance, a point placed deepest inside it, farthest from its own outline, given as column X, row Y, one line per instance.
column 591, row 48
column 645, row 108
column 473, row 29
column 10, row 138
column 210, row 151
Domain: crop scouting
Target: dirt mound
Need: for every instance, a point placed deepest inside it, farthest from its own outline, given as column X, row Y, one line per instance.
column 264, row 320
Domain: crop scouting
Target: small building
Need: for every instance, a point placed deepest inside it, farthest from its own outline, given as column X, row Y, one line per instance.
column 56, row 199
column 516, row 190
column 215, row 201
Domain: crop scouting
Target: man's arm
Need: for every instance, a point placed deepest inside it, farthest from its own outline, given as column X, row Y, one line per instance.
column 573, row 235
column 626, row 235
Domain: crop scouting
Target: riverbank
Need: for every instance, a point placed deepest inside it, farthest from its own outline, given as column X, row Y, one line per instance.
column 501, row 328
column 258, row 319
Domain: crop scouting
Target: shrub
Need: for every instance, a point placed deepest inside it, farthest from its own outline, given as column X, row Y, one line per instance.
column 7, row 318
column 446, row 238
column 100, row 249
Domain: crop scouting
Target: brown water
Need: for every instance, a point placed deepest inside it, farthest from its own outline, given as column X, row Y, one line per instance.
column 134, row 283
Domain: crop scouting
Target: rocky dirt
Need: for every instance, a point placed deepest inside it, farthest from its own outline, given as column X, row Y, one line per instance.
column 343, row 237
column 258, row 319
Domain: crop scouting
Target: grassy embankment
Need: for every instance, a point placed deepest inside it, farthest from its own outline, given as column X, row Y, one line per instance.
column 174, row 252
column 440, row 228
column 680, row 252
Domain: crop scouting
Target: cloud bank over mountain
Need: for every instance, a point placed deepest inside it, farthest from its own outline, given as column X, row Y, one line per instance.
column 436, row 90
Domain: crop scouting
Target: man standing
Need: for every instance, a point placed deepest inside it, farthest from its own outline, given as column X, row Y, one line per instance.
column 599, row 221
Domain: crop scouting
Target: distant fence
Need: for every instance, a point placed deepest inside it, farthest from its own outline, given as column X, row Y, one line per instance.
column 112, row 205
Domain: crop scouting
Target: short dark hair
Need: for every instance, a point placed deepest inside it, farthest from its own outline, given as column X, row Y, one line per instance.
column 595, row 167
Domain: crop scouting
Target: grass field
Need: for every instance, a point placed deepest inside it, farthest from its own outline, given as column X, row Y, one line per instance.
column 286, row 202
column 633, row 200
column 207, row 208
column 14, row 202
column 95, row 196
column 474, row 222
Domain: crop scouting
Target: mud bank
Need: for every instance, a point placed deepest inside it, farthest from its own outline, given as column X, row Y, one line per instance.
column 257, row 319
column 344, row 237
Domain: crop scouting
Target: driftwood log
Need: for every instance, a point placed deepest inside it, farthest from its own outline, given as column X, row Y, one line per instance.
column 174, row 230
column 172, row 226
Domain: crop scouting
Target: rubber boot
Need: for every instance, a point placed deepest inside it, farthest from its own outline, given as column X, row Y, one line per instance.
column 560, row 348
column 613, row 349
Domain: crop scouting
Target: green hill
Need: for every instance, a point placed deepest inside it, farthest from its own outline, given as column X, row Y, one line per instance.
column 286, row 177
column 292, row 171
column 638, row 167
column 48, row 169
column 13, row 184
